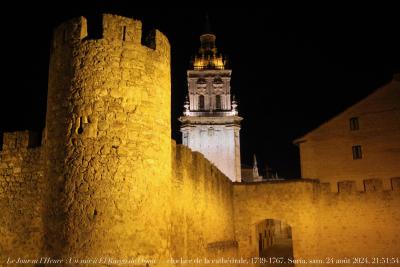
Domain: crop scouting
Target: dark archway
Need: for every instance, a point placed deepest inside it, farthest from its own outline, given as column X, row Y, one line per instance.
column 274, row 243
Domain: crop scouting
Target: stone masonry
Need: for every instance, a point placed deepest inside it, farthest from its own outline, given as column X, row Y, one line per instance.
column 105, row 184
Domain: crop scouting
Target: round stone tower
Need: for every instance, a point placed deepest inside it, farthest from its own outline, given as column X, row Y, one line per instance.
column 108, row 142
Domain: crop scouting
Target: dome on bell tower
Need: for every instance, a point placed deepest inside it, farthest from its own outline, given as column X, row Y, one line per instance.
column 208, row 57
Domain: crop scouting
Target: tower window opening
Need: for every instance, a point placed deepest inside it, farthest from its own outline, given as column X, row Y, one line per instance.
column 354, row 124
column 80, row 128
column 201, row 81
column 123, row 33
column 218, row 81
column 218, row 102
column 210, row 131
column 186, row 139
column 201, row 102
column 357, row 153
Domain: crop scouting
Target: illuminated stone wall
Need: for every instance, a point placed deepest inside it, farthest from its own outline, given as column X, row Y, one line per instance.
column 359, row 224
column 326, row 153
column 106, row 181
column 324, row 224
column 21, row 191
column 203, row 223
column 108, row 142
column 292, row 202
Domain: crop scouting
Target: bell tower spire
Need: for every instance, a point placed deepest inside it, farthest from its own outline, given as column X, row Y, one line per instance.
column 207, row 24
column 208, row 56
column 210, row 122
column 255, row 167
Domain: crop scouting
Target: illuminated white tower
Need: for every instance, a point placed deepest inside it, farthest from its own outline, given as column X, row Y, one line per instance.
column 210, row 123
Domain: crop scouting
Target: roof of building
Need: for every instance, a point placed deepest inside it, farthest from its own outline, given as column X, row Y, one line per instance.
column 391, row 87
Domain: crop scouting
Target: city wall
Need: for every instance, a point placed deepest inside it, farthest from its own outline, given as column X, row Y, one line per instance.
column 202, row 208
column 211, row 217
column 325, row 224
column 21, row 191
column 107, row 182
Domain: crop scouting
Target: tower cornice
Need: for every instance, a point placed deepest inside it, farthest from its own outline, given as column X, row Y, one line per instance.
column 187, row 120
column 211, row 72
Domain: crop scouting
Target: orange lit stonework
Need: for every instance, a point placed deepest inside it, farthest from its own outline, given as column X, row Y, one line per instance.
column 105, row 184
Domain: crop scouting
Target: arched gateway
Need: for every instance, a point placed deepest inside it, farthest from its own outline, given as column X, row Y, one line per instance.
column 275, row 243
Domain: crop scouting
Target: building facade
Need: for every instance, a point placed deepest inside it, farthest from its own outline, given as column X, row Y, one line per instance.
column 361, row 143
column 210, row 123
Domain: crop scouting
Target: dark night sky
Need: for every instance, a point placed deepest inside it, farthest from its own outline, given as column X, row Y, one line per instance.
column 292, row 69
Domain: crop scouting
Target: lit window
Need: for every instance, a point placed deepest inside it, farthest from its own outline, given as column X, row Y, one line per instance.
column 354, row 124
column 201, row 102
column 218, row 102
column 357, row 153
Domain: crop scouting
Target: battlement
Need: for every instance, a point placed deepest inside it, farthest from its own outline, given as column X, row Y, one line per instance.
column 111, row 29
column 370, row 186
column 348, row 187
column 21, row 140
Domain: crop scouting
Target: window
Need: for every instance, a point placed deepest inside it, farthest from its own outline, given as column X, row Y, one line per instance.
column 201, row 102
column 123, row 33
column 218, row 102
column 80, row 128
column 185, row 139
column 201, row 81
column 354, row 126
column 357, row 154
column 218, row 80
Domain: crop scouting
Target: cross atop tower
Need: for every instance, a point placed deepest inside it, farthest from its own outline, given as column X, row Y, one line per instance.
column 207, row 24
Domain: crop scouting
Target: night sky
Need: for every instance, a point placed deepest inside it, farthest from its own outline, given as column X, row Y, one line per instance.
column 291, row 69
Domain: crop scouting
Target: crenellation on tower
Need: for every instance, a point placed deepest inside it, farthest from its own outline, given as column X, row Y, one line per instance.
column 108, row 141
column 112, row 29
column 117, row 28
column 73, row 30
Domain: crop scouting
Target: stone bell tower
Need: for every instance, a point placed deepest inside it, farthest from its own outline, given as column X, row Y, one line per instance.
column 210, row 123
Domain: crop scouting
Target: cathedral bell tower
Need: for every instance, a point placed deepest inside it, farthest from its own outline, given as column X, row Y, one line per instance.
column 210, row 122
